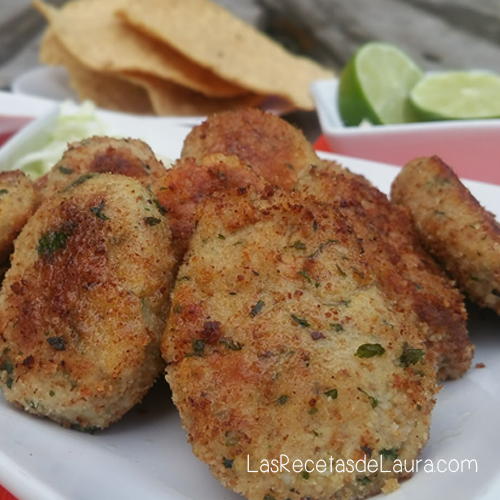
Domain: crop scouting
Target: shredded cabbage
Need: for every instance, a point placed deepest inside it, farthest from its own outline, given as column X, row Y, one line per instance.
column 75, row 122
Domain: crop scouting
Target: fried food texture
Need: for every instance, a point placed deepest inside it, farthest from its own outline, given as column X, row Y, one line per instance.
column 18, row 201
column 188, row 183
column 454, row 227
column 83, row 306
column 275, row 150
column 403, row 269
column 130, row 157
column 278, row 343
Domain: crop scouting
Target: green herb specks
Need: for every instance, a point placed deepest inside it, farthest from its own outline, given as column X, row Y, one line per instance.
column 257, row 308
column 410, row 356
column 97, row 211
column 369, row 350
column 331, row 393
column 151, row 221
column 283, row 399
column 300, row 321
column 51, row 241
column 373, row 401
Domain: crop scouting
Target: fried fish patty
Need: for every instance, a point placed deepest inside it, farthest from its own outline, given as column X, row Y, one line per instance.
column 18, row 201
column 183, row 187
column 275, row 150
column 454, row 227
column 404, row 270
column 130, row 157
column 83, row 306
column 278, row 343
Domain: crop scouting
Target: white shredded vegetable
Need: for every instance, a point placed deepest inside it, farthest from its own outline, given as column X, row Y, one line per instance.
column 75, row 122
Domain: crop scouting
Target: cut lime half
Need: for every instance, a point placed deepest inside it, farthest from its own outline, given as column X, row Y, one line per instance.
column 375, row 86
column 457, row 95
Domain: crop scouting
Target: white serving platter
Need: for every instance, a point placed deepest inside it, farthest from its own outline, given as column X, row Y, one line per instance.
column 145, row 455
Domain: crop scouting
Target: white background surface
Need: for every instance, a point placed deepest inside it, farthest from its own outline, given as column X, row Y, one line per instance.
column 145, row 455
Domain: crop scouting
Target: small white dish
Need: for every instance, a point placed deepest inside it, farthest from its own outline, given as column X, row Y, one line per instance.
column 470, row 147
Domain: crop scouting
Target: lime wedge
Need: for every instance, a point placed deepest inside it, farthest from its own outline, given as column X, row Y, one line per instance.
column 457, row 95
column 375, row 86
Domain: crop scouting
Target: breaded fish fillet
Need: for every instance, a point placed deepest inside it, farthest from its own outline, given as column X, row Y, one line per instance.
column 18, row 201
column 83, row 306
column 279, row 344
column 130, row 157
column 403, row 269
column 454, row 227
column 274, row 149
column 183, row 187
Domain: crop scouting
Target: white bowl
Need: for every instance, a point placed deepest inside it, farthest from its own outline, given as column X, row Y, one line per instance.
column 470, row 147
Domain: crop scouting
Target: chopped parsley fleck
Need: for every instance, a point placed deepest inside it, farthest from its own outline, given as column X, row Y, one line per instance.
column 51, row 241
column 58, row 343
column 257, row 308
column 299, row 245
column 341, row 271
column 97, row 211
column 283, row 399
column 389, row 453
column 231, row 344
column 300, row 321
column 331, row 393
column 269, row 497
column 221, row 237
column 79, row 181
column 363, row 480
column 198, row 346
column 321, row 247
column 337, row 327
column 410, row 356
column 373, row 401
column 65, row 170
column 228, row 464
column 313, row 410
column 152, row 221
column 159, row 206
column 305, row 474
column 52, row 394
column 306, row 276
column 4, row 191
column 369, row 350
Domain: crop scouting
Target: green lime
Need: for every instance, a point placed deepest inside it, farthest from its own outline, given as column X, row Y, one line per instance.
column 375, row 86
column 457, row 95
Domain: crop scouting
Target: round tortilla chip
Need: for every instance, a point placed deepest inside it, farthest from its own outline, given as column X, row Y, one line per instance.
column 101, row 41
column 106, row 91
column 215, row 39
column 168, row 98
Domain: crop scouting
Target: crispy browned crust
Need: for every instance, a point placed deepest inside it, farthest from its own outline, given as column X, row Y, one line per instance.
column 18, row 201
column 454, row 227
column 403, row 268
column 275, row 150
column 130, row 157
column 83, row 306
column 271, row 304
column 188, row 183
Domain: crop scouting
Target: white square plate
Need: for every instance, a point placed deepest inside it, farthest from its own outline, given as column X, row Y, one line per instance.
column 145, row 455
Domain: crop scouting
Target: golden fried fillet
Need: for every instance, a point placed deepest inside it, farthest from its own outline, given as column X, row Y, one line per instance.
column 83, row 306
column 279, row 345
column 130, row 157
column 18, row 201
column 404, row 270
column 188, row 183
column 275, row 150
column 454, row 227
